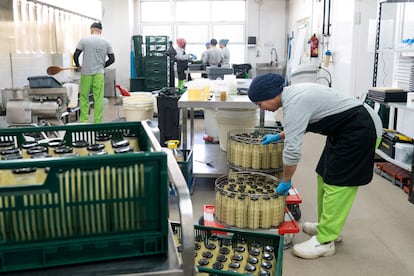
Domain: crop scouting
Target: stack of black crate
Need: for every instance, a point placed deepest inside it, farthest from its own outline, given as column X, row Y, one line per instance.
column 151, row 69
column 155, row 63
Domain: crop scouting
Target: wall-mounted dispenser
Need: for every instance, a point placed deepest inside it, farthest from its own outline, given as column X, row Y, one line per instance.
column 251, row 41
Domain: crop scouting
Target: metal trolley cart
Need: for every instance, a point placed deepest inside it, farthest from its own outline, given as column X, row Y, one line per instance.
column 288, row 228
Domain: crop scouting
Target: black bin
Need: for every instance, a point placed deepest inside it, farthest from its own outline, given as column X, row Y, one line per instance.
column 168, row 114
column 242, row 70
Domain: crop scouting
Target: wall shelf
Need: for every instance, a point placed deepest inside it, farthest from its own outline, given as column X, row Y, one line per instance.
column 393, row 106
column 396, row 50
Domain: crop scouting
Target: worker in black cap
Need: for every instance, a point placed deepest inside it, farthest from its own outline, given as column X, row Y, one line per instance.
column 353, row 131
column 95, row 50
column 213, row 56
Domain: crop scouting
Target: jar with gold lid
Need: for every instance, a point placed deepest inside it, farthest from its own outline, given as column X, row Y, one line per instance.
column 249, row 268
column 10, row 151
column 6, row 144
column 27, row 145
column 59, row 151
column 132, row 138
column 24, row 176
column 264, row 273
column 96, row 149
column 121, row 146
column 54, row 143
column 6, row 175
column 80, row 147
column 37, row 150
column 106, row 140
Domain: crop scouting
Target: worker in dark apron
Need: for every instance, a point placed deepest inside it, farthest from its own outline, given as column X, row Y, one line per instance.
column 353, row 131
column 182, row 62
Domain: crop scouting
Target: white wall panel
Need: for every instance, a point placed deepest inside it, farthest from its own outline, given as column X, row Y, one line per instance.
column 363, row 53
column 341, row 44
column 118, row 29
column 5, row 71
column 352, row 61
column 267, row 22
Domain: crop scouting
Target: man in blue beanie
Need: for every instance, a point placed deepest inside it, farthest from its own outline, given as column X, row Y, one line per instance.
column 353, row 131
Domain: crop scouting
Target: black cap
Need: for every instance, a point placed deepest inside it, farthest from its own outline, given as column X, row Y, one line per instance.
column 96, row 25
column 213, row 41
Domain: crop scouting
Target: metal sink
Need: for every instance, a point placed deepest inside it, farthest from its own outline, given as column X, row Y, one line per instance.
column 264, row 68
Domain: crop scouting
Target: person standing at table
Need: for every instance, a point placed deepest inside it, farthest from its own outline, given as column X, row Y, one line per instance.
column 182, row 62
column 214, row 56
column 204, row 54
column 225, row 51
column 95, row 50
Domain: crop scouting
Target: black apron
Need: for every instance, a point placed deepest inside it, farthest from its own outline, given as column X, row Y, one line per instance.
column 348, row 156
column 182, row 65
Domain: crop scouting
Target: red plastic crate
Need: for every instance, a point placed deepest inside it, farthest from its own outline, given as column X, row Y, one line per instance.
column 395, row 172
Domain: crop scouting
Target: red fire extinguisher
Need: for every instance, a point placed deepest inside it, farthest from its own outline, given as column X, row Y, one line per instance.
column 314, row 46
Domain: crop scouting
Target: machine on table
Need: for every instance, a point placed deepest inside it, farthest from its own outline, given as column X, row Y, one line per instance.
column 46, row 99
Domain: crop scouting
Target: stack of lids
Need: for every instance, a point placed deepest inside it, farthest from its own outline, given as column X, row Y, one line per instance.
column 387, row 94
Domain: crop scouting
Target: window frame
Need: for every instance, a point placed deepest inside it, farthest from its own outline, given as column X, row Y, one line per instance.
column 211, row 25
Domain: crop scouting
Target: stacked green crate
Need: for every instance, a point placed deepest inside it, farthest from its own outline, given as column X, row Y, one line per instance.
column 137, row 44
column 155, row 62
column 156, row 45
column 155, row 72
column 151, row 67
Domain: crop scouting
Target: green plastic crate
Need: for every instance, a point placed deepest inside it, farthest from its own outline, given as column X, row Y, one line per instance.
column 155, row 83
column 186, row 167
column 156, row 49
column 156, row 72
column 137, row 43
column 88, row 208
column 155, row 62
column 233, row 236
column 139, row 65
column 156, row 39
column 136, row 84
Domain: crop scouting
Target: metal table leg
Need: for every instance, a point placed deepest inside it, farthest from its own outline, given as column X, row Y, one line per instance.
column 184, row 122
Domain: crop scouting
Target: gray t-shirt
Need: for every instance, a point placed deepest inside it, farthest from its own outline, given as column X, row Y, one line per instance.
column 226, row 55
column 213, row 56
column 307, row 103
column 181, row 54
column 95, row 49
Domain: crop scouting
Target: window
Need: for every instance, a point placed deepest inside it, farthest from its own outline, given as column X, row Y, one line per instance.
column 197, row 21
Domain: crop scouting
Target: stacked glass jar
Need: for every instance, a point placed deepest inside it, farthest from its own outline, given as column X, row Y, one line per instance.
column 248, row 200
column 246, row 153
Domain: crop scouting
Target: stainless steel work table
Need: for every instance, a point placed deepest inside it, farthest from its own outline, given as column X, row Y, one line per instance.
column 209, row 152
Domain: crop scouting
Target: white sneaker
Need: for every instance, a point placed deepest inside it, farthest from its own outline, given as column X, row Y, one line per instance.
column 310, row 229
column 312, row 249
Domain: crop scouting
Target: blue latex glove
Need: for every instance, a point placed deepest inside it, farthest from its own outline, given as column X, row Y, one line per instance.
column 193, row 57
column 270, row 138
column 283, row 188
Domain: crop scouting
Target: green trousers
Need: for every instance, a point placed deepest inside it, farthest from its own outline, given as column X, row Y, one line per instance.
column 334, row 205
column 181, row 84
column 95, row 83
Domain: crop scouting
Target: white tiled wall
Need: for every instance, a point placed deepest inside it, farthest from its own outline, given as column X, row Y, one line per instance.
column 22, row 66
